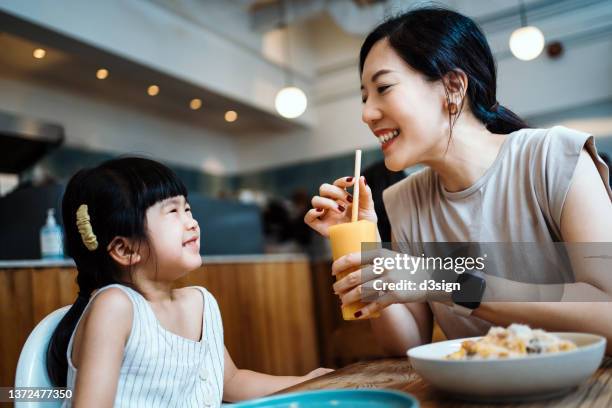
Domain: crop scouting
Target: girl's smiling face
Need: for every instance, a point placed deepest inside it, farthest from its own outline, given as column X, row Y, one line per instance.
column 174, row 237
column 402, row 108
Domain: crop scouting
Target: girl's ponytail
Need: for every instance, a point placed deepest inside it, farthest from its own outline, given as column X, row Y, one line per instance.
column 57, row 363
column 57, row 359
column 94, row 268
column 93, row 272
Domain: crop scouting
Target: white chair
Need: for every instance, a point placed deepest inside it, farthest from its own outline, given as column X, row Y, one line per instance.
column 32, row 365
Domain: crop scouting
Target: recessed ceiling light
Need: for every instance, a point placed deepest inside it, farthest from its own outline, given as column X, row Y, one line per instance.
column 153, row 90
column 39, row 53
column 102, row 73
column 195, row 104
column 231, row 116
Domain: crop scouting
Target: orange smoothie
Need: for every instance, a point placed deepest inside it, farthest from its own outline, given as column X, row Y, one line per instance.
column 345, row 239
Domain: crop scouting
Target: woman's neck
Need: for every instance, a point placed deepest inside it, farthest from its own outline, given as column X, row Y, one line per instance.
column 470, row 153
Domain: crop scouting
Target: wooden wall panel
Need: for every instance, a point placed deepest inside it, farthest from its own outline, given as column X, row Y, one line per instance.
column 51, row 289
column 267, row 310
column 340, row 342
column 268, row 314
column 15, row 319
column 26, row 296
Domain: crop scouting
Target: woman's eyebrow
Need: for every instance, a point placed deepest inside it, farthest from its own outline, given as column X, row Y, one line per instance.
column 379, row 73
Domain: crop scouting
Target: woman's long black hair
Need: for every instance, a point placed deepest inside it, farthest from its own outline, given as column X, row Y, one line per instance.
column 117, row 193
column 435, row 41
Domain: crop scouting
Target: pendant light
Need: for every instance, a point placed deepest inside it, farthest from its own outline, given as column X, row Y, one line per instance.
column 291, row 101
column 527, row 42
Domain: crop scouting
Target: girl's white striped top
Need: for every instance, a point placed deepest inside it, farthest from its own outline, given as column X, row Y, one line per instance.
column 163, row 369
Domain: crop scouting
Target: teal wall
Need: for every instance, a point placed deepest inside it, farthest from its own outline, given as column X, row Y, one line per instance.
column 278, row 181
column 307, row 176
column 63, row 162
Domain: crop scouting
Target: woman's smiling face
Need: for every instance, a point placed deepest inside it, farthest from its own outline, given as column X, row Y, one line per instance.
column 403, row 109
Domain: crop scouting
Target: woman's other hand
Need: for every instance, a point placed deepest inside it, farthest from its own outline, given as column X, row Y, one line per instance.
column 334, row 205
column 371, row 284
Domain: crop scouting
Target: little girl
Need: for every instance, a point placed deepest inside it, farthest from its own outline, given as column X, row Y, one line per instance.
column 131, row 339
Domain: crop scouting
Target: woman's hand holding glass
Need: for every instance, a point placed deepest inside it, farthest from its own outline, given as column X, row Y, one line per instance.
column 365, row 285
column 334, row 205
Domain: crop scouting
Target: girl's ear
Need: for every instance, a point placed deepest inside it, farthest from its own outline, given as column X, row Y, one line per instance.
column 122, row 251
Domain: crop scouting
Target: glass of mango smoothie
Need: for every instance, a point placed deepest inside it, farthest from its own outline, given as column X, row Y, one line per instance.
column 348, row 238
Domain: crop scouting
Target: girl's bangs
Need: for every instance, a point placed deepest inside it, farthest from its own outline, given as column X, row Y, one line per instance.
column 160, row 184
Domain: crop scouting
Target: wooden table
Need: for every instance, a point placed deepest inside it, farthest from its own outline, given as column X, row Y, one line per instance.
column 398, row 374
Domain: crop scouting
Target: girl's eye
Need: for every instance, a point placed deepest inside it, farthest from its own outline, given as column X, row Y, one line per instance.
column 173, row 210
column 188, row 209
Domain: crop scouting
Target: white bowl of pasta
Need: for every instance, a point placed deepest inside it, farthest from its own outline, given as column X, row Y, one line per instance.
column 478, row 368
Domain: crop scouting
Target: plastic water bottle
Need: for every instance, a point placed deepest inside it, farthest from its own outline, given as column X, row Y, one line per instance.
column 51, row 244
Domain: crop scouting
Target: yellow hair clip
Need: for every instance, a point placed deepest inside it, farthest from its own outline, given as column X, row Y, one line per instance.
column 84, row 226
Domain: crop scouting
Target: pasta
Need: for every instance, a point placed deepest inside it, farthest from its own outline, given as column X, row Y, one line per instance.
column 516, row 341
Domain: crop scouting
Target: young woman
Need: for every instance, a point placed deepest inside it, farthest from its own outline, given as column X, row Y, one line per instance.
column 428, row 82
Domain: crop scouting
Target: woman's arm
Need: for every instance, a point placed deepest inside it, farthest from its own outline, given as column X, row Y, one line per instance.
column 586, row 218
column 98, row 349
column 239, row 385
column 403, row 326
column 587, row 213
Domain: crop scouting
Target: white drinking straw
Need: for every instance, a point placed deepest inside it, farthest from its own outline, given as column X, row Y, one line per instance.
column 355, row 212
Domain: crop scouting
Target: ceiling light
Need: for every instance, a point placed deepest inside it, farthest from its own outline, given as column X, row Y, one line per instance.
column 231, row 116
column 102, row 73
column 526, row 42
column 153, row 90
column 290, row 102
column 195, row 104
column 39, row 53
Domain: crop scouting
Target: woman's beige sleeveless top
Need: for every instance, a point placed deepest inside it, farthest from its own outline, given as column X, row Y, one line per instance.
column 520, row 198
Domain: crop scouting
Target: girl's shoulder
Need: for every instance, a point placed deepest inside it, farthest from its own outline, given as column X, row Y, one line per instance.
column 112, row 296
column 111, row 305
column 114, row 308
column 108, row 316
column 113, row 300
